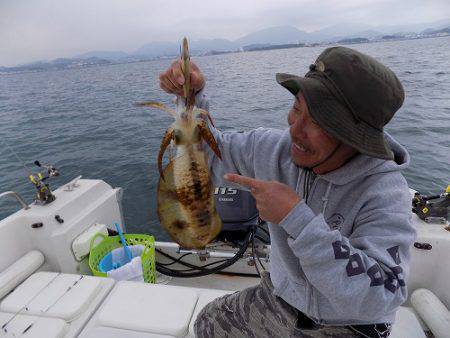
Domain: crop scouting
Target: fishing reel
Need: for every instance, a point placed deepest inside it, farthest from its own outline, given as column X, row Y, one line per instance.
column 433, row 208
column 44, row 194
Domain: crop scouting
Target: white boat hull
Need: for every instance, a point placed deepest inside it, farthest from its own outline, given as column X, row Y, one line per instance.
column 94, row 201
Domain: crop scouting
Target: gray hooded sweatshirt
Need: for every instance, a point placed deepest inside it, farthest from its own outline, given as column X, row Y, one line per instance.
column 342, row 256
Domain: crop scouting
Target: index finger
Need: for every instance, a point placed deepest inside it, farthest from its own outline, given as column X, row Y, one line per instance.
column 177, row 72
column 244, row 180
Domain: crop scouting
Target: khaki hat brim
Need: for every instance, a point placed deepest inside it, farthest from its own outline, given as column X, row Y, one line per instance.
column 335, row 118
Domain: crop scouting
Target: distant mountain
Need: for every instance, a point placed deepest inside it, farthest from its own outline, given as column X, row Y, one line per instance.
column 274, row 35
column 392, row 29
column 289, row 34
column 161, row 48
column 105, row 55
column 329, row 38
column 436, row 31
column 157, row 49
column 268, row 38
column 264, row 46
column 202, row 46
column 341, row 31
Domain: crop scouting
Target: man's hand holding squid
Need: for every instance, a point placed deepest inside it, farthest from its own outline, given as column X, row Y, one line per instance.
column 274, row 200
column 172, row 80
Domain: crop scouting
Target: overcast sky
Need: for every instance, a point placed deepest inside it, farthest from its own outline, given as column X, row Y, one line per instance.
column 33, row 30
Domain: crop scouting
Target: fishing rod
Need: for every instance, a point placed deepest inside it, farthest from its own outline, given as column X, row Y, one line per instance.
column 44, row 194
column 432, row 208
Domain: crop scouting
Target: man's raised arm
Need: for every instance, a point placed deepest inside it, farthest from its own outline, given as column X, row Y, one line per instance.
column 237, row 148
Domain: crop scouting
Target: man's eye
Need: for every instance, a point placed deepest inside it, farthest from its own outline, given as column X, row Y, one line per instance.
column 314, row 122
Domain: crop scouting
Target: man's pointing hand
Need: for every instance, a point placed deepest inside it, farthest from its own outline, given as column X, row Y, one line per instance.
column 274, row 200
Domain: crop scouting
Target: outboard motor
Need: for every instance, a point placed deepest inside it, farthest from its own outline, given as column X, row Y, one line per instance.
column 238, row 212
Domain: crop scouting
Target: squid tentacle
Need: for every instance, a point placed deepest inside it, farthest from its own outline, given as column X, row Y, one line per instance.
column 168, row 136
column 206, row 135
column 206, row 113
column 157, row 105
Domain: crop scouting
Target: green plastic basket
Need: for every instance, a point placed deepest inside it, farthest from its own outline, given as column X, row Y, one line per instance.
column 108, row 244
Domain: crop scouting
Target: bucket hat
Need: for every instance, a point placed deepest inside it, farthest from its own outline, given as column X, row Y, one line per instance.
column 351, row 96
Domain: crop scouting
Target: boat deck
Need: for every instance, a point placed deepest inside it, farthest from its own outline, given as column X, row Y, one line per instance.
column 50, row 304
column 46, row 290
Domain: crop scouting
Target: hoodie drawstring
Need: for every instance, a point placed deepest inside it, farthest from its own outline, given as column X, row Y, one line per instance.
column 308, row 178
column 325, row 198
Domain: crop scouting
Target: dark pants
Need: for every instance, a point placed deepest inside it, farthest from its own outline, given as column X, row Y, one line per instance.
column 256, row 312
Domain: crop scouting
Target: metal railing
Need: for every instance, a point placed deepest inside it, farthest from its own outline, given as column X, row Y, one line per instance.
column 17, row 197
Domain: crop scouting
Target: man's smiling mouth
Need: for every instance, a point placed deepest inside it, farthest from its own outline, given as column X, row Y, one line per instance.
column 300, row 147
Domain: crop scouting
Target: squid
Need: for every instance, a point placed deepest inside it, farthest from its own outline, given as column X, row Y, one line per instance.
column 186, row 203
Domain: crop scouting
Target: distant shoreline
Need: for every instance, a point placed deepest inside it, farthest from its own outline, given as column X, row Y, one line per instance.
column 97, row 62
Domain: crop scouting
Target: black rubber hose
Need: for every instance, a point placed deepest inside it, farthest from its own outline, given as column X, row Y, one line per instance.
column 175, row 260
column 204, row 272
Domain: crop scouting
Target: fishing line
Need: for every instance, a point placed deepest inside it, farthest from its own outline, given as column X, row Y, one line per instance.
column 53, row 304
column 25, row 307
column 21, row 162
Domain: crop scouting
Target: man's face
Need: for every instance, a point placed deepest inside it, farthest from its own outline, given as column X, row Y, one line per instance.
column 310, row 143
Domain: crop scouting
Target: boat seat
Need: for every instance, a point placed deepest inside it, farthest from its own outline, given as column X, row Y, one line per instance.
column 135, row 309
column 205, row 297
column 35, row 327
column 406, row 325
column 150, row 308
column 162, row 310
column 67, row 297
column 20, row 270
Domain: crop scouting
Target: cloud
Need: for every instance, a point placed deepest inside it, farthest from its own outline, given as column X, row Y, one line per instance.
column 32, row 30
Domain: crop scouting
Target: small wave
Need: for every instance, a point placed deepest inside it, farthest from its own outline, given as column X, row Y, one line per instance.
column 409, row 72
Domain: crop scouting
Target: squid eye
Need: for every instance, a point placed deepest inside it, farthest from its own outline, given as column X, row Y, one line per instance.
column 196, row 132
column 177, row 136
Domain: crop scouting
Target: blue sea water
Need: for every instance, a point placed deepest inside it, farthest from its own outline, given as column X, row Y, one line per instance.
column 83, row 120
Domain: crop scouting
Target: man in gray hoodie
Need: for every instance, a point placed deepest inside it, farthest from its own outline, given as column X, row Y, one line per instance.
column 337, row 205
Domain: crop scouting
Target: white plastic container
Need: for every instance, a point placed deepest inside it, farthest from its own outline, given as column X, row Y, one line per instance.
column 81, row 244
